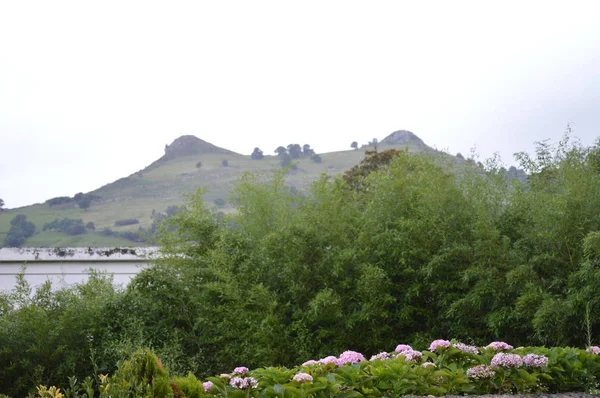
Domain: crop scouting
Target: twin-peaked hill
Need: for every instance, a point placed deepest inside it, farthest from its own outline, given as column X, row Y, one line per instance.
column 188, row 164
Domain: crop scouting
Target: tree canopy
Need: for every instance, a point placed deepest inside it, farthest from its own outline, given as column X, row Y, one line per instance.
column 406, row 248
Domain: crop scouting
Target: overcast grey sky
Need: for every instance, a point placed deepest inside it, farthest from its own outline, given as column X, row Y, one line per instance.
column 92, row 91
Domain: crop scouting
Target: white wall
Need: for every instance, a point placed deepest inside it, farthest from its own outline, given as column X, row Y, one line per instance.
column 67, row 266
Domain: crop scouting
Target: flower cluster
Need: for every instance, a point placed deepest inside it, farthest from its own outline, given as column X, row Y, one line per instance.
column 594, row 349
column 303, row 377
column 507, row 360
column 535, row 361
column 207, row 386
column 439, row 343
column 243, row 383
column 329, row 359
column 311, row 362
column 403, row 347
column 382, row 355
column 481, row 372
column 471, row 349
column 428, row 364
column 240, row 370
column 350, row 357
column 499, row 345
column 411, row 355
column 225, row 376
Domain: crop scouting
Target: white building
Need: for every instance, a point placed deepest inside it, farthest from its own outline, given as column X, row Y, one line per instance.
column 70, row 265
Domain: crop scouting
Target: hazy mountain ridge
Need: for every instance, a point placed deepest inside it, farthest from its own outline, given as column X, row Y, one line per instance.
column 189, row 163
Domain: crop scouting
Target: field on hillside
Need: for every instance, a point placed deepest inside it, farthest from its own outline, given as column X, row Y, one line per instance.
column 165, row 184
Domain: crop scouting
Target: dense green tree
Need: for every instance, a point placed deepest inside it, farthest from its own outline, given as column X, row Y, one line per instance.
column 354, row 145
column 257, row 154
column 307, row 151
column 85, row 202
column 1, row 205
column 280, row 150
column 20, row 230
column 294, row 150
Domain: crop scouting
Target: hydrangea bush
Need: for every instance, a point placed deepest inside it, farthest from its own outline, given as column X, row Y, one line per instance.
column 447, row 368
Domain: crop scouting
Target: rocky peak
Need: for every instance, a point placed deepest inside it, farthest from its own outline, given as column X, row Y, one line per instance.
column 403, row 137
column 187, row 145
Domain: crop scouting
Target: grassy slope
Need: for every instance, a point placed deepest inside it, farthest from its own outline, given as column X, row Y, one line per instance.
column 163, row 185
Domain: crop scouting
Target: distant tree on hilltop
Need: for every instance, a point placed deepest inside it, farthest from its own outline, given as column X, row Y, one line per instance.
column 295, row 150
column 280, row 150
column 307, row 151
column 1, row 205
column 257, row 154
column 354, row 145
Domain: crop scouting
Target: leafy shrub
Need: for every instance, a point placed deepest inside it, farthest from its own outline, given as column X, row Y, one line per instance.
column 69, row 226
column 143, row 374
column 127, row 221
column 129, row 235
column 90, row 225
column 59, row 201
column 445, row 370
column 20, row 230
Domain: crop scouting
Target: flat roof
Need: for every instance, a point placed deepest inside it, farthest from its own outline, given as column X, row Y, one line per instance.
column 67, row 254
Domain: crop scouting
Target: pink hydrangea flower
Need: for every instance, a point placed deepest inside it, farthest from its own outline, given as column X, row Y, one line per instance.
column 428, row 364
column 507, row 360
column 438, row 343
column 303, row 377
column 481, row 372
column 311, row 362
column 471, row 349
column 382, row 355
column 243, row 383
column 594, row 349
column 207, row 386
column 402, row 347
column 350, row 357
column 329, row 359
column 240, row 370
column 225, row 375
column 535, row 361
column 499, row 345
column 411, row 355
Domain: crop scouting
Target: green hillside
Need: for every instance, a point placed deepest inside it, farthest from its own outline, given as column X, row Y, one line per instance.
column 164, row 183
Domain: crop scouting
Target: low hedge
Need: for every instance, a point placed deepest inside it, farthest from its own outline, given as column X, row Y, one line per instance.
column 447, row 368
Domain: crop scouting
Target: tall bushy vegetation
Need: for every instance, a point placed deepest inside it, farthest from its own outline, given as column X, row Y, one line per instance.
column 50, row 335
column 403, row 248
column 410, row 249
